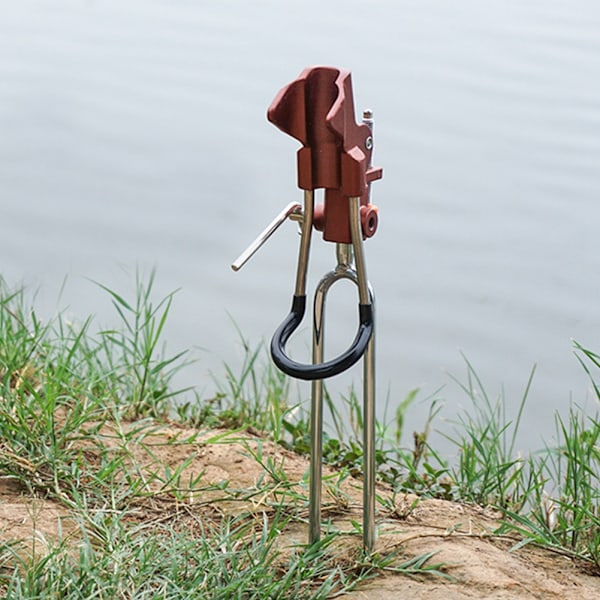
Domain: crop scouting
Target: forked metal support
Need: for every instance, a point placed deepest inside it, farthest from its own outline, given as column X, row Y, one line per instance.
column 350, row 266
column 344, row 270
column 317, row 109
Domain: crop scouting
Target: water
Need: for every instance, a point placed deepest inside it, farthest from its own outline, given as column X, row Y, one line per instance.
column 134, row 133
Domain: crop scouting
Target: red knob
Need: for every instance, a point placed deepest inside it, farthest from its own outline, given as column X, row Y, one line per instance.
column 369, row 219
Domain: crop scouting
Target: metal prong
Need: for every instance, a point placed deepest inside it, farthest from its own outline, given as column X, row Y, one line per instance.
column 248, row 253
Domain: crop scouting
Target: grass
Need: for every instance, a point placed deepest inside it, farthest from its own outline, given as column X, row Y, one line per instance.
column 79, row 417
column 120, row 560
column 80, row 425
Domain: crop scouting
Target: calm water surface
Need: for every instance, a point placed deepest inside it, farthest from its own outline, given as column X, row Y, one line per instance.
column 134, row 133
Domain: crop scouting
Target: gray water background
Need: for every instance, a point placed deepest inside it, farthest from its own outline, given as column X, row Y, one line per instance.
column 133, row 133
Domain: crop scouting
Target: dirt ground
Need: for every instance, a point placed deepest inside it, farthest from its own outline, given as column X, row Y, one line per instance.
column 481, row 565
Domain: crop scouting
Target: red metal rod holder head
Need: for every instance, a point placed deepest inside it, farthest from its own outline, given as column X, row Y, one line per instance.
column 317, row 109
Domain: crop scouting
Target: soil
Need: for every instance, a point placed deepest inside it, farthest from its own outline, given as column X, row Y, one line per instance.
column 480, row 564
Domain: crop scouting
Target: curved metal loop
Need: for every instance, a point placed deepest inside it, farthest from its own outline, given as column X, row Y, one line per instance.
column 328, row 368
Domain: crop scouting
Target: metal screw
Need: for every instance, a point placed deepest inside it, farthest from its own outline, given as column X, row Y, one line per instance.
column 369, row 143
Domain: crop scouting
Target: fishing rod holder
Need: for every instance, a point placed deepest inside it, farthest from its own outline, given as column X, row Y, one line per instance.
column 317, row 109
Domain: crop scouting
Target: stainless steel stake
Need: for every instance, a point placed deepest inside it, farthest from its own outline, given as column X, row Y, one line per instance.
column 344, row 270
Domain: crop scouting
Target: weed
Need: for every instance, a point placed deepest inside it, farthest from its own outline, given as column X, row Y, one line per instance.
column 136, row 360
column 488, row 471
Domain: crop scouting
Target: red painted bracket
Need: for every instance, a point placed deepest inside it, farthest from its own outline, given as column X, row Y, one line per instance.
column 317, row 109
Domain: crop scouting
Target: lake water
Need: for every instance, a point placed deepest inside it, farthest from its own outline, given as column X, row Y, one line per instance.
column 134, row 133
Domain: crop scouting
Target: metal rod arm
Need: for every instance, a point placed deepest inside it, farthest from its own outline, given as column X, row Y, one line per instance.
column 268, row 231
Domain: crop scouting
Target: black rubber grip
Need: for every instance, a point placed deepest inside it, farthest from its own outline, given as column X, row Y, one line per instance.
column 326, row 369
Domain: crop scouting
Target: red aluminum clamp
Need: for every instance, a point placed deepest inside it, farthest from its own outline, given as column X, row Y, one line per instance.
column 317, row 109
